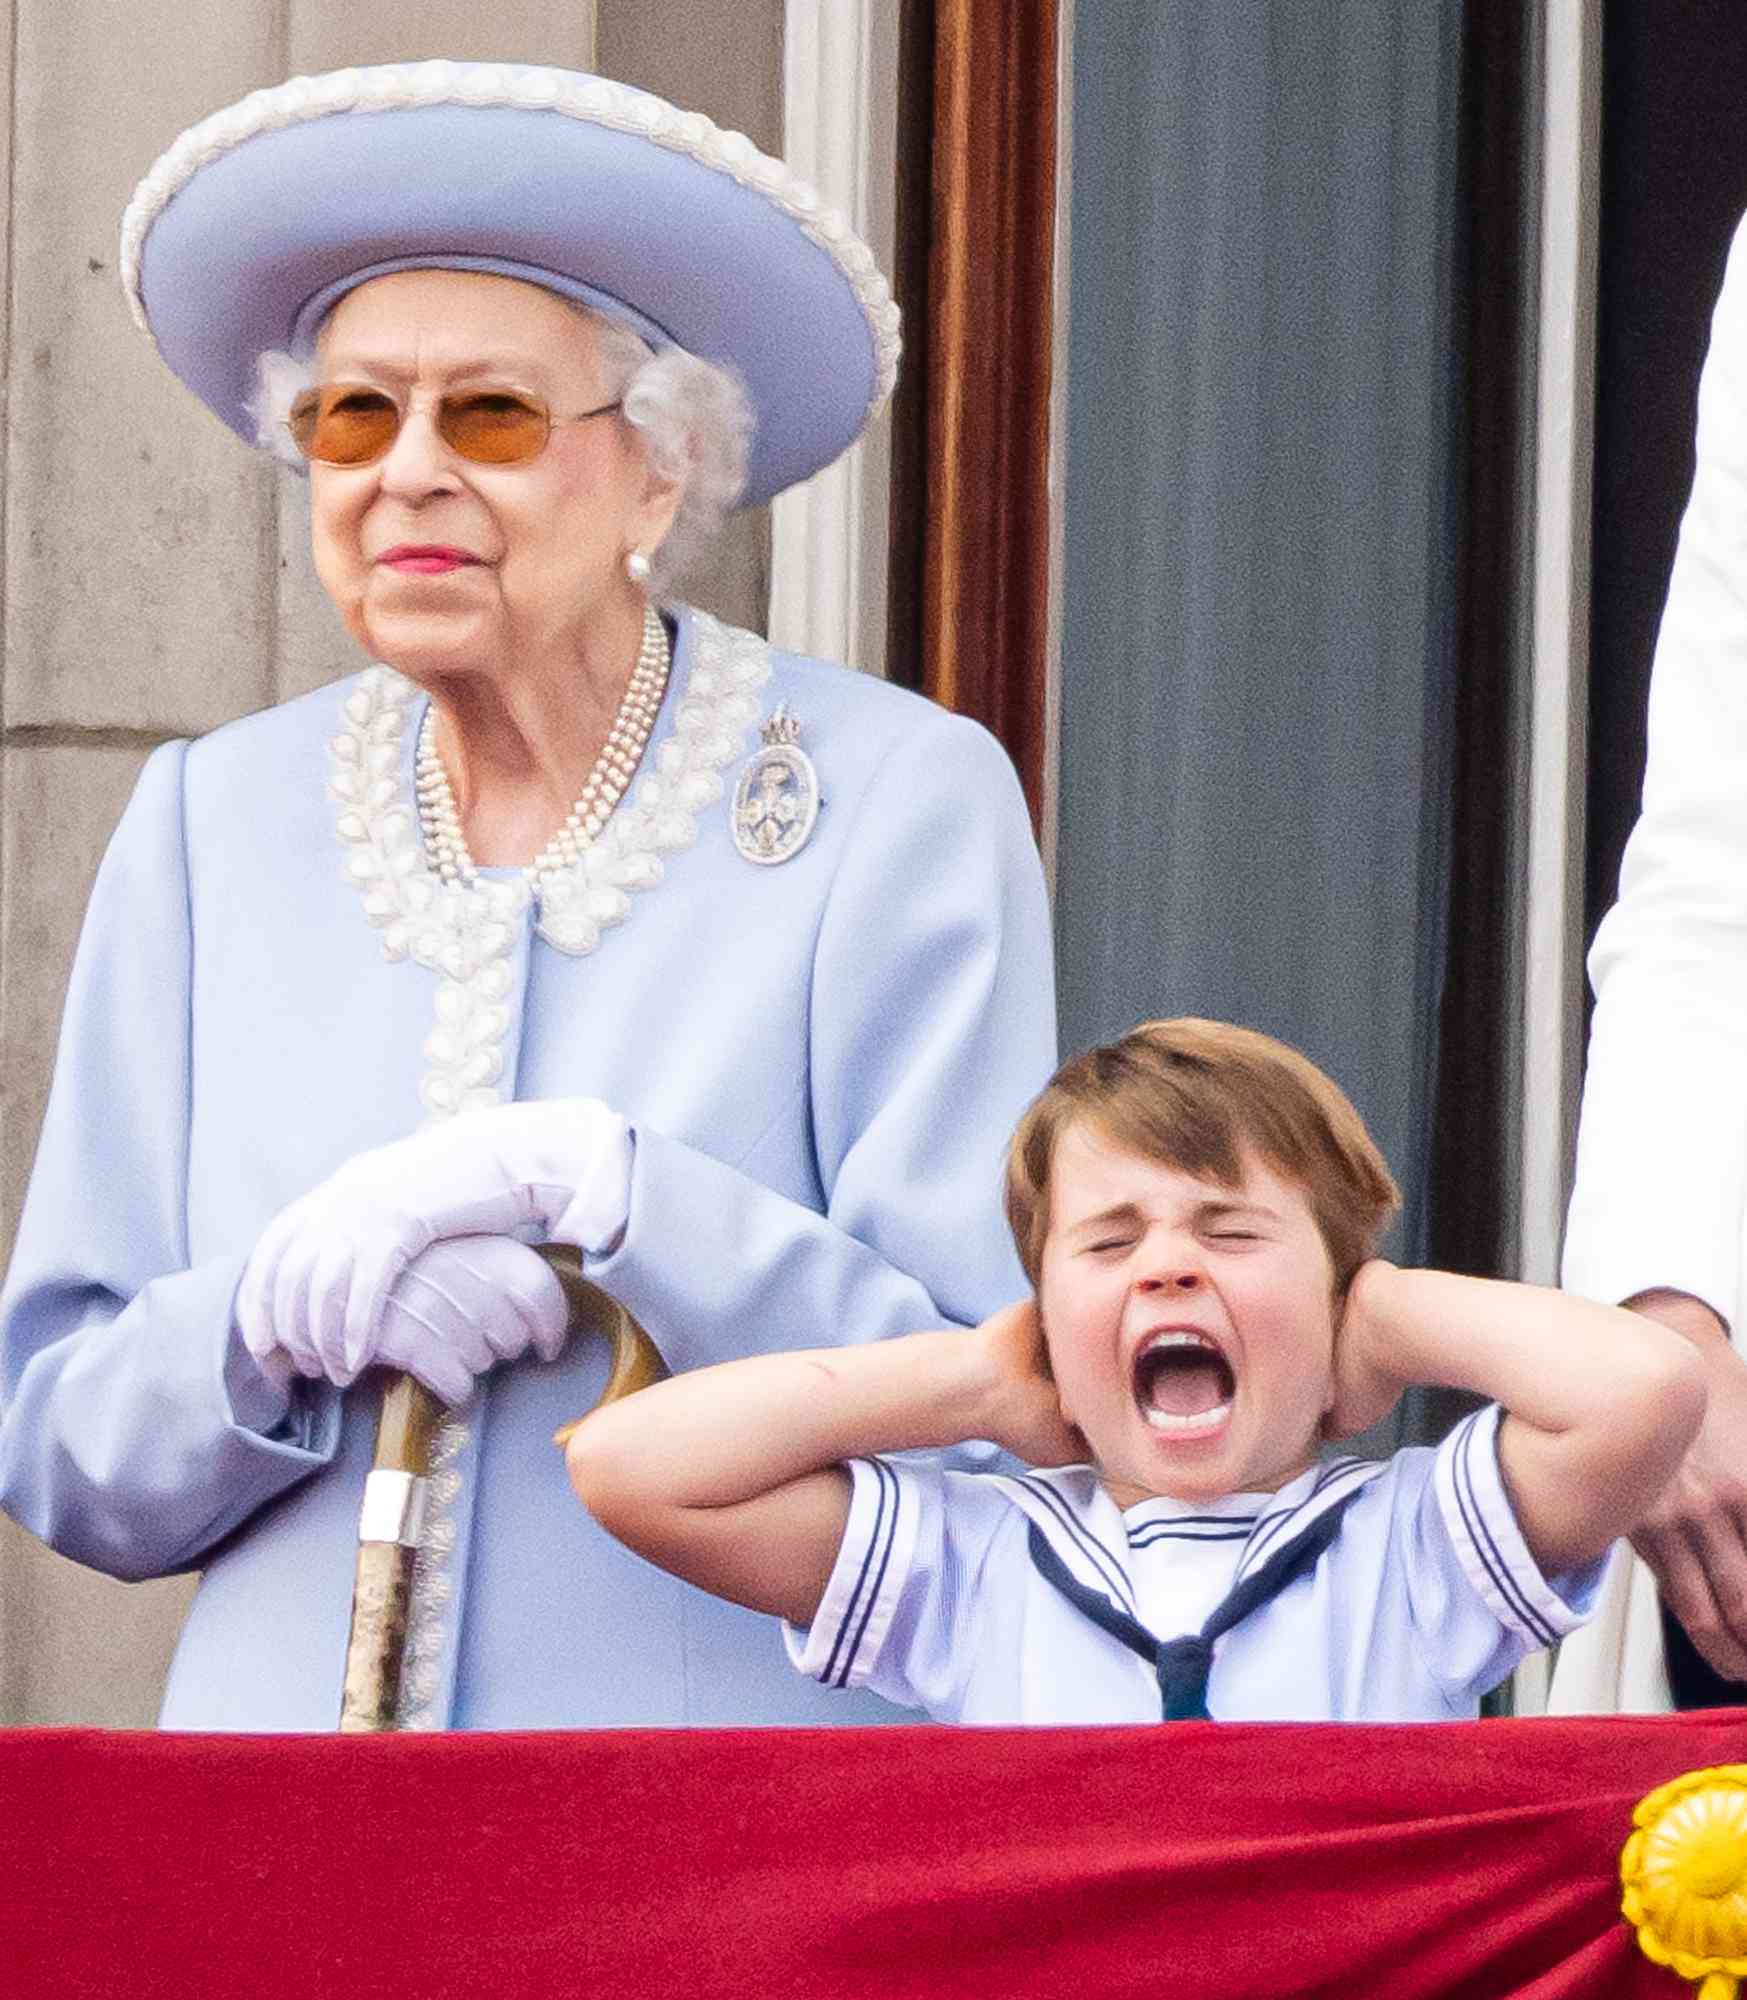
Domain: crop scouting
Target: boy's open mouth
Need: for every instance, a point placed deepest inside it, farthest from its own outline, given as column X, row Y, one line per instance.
column 1182, row 1382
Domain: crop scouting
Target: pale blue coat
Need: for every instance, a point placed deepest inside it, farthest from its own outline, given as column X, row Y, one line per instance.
column 821, row 1061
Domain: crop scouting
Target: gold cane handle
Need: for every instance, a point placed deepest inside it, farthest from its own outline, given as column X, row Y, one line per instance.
column 635, row 1361
column 394, row 1493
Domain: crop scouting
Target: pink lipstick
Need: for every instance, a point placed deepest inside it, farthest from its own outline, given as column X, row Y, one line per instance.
column 425, row 558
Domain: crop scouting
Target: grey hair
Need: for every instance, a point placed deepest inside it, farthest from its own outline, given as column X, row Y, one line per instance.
column 693, row 418
column 280, row 378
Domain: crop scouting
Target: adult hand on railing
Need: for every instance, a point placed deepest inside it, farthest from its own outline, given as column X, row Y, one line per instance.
column 1695, row 1537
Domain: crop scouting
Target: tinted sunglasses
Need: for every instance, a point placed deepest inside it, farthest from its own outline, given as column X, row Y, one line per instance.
column 348, row 423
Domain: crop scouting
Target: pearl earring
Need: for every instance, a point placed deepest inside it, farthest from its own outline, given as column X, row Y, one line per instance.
column 638, row 566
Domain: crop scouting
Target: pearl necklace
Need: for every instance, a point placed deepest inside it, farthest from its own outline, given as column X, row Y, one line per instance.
column 614, row 768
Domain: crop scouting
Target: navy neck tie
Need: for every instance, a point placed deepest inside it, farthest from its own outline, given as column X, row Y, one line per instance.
column 1182, row 1665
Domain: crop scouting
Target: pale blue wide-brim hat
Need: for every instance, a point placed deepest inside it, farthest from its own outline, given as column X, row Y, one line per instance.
column 259, row 219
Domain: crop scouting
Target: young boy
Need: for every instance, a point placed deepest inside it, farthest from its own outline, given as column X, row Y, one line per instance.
column 1198, row 1208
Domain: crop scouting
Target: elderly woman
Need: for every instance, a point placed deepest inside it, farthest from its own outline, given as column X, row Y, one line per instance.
column 518, row 936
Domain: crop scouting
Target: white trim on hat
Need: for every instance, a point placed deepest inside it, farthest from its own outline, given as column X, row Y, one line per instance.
column 610, row 107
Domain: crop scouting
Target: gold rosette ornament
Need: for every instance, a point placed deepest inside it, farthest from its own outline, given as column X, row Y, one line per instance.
column 1685, row 1877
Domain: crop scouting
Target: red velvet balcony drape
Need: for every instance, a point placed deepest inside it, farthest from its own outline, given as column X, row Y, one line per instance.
column 1194, row 1862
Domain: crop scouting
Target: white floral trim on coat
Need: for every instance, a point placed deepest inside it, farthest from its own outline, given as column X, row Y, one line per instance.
column 466, row 932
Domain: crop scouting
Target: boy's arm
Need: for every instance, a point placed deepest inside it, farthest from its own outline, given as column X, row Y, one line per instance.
column 732, row 1476
column 1600, row 1403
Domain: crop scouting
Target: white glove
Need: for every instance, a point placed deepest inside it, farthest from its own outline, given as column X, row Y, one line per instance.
column 317, row 1283
column 459, row 1308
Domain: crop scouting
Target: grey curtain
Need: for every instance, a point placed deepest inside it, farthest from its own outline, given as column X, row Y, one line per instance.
column 1262, row 521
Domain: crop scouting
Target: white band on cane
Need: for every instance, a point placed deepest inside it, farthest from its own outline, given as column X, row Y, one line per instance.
column 394, row 1508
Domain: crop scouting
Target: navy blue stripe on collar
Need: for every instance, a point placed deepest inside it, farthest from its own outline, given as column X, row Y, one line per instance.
column 1335, row 1478
column 1082, row 1539
column 1179, row 1531
column 1242, row 1523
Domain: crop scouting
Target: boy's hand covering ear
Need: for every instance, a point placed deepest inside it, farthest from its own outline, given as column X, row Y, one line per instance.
column 1364, row 1389
column 1027, row 1411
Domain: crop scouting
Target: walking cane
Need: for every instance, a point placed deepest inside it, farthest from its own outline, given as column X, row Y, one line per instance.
column 394, row 1495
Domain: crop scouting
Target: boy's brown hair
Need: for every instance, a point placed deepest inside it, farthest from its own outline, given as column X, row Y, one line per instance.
column 1193, row 1095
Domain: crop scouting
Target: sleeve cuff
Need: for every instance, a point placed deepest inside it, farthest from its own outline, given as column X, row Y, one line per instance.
column 841, row 1647
column 301, row 1419
column 599, row 1209
column 1489, row 1544
column 257, row 1402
